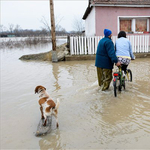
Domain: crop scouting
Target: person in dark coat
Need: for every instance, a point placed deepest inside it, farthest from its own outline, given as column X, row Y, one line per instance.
column 105, row 59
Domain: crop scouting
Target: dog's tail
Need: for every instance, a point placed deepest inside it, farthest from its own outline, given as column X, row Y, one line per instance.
column 57, row 104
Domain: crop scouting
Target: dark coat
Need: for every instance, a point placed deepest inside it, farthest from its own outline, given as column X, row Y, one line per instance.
column 105, row 55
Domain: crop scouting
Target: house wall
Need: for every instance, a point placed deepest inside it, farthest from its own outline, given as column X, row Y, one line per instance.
column 149, row 24
column 107, row 17
column 90, row 23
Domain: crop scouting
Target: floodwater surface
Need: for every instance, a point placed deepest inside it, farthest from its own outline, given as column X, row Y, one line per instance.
column 88, row 117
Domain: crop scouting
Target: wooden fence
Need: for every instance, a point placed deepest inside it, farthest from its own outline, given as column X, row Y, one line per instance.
column 82, row 45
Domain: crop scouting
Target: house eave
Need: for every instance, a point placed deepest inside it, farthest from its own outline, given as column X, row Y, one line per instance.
column 116, row 5
column 88, row 10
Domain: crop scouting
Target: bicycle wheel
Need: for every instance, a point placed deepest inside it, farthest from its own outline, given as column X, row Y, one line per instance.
column 120, row 84
column 124, row 84
column 129, row 75
column 115, row 86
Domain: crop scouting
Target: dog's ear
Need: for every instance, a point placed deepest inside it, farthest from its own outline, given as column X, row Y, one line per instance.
column 36, row 89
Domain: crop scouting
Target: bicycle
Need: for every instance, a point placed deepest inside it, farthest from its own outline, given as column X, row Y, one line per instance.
column 120, row 78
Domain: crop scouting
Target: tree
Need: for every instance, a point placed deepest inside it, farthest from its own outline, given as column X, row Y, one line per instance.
column 11, row 28
column 17, row 30
column 78, row 25
column 1, row 28
column 46, row 24
column 58, row 27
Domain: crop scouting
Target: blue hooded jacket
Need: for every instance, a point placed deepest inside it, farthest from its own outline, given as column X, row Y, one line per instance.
column 105, row 55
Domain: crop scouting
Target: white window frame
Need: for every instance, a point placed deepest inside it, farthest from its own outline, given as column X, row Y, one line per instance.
column 133, row 22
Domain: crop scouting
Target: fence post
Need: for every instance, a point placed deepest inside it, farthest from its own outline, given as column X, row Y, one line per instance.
column 79, row 39
column 133, row 43
column 95, row 45
column 148, row 43
column 89, row 45
column 71, row 46
column 135, row 39
column 82, row 52
column 85, row 44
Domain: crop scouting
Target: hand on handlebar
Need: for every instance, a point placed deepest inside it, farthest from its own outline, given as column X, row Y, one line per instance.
column 118, row 64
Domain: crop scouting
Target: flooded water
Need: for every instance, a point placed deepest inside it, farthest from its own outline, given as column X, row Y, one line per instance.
column 88, row 118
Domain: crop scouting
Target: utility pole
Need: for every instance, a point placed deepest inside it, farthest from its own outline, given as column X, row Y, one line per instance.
column 54, row 54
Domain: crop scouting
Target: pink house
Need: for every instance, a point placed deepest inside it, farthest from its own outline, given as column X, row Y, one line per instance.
column 132, row 16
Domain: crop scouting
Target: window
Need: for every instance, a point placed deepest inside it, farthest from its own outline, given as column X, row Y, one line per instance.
column 125, row 25
column 134, row 24
column 141, row 25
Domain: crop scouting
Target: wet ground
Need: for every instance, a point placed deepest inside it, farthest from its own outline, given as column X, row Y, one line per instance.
column 88, row 117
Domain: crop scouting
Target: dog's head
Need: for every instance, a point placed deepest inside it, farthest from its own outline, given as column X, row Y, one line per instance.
column 39, row 89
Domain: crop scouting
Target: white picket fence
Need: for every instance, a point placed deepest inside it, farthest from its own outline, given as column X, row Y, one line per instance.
column 88, row 45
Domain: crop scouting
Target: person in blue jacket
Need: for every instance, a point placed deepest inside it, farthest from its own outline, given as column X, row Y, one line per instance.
column 105, row 59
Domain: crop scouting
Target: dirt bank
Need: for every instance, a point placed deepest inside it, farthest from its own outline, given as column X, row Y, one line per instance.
column 92, row 57
column 63, row 54
column 61, row 50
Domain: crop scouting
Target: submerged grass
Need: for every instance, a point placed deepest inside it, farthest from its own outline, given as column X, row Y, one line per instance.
column 23, row 42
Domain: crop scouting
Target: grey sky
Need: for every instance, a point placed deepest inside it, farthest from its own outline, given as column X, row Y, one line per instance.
column 28, row 14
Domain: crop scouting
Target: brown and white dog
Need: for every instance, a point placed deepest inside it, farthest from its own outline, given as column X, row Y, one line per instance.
column 47, row 106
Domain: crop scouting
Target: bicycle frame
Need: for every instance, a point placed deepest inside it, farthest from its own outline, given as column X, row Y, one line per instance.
column 118, row 76
column 122, row 78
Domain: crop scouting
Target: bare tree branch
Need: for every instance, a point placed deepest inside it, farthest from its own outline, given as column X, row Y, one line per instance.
column 11, row 28
column 78, row 25
column 47, row 25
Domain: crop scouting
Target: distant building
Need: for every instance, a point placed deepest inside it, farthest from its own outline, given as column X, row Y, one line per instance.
column 6, row 35
column 9, row 35
column 132, row 16
column 3, row 35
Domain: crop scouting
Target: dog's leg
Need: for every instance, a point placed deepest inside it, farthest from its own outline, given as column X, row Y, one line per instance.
column 45, row 121
column 42, row 116
column 55, row 115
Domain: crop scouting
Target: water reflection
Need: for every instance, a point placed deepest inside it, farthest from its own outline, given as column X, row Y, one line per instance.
column 55, row 71
column 51, row 141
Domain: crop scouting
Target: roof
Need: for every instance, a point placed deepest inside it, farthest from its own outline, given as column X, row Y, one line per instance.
column 122, row 2
column 127, row 3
